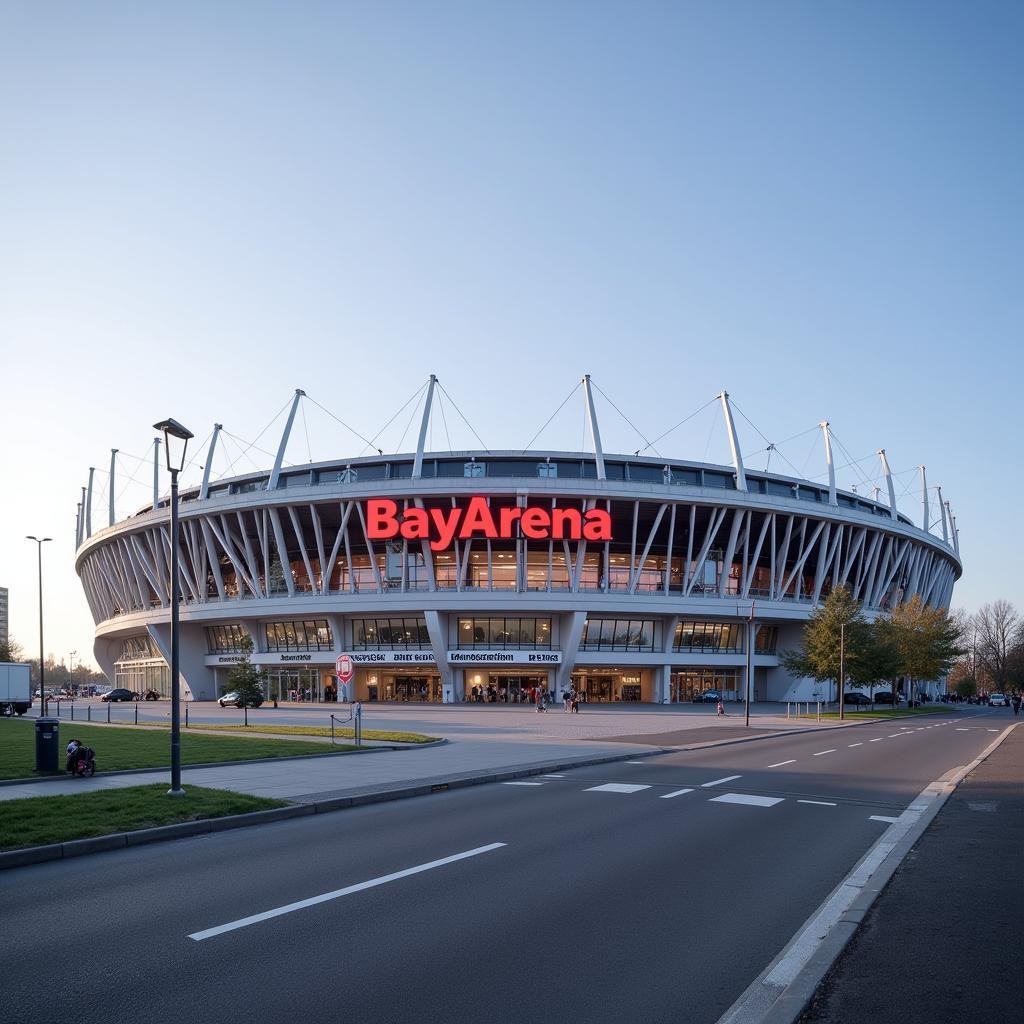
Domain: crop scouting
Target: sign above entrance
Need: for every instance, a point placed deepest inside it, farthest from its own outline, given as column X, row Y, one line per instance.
column 504, row 657
column 442, row 526
column 344, row 668
column 392, row 658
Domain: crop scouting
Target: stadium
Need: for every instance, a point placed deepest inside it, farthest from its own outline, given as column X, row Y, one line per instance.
column 476, row 575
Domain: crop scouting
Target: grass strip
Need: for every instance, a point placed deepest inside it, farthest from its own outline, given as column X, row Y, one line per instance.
column 308, row 730
column 36, row 821
column 121, row 749
column 942, row 709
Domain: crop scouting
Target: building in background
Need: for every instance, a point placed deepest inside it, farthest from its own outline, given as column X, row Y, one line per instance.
column 452, row 576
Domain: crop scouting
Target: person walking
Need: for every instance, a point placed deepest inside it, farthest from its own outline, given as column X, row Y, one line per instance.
column 1016, row 701
column 721, row 708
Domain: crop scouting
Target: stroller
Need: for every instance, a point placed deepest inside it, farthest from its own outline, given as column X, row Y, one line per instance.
column 84, row 764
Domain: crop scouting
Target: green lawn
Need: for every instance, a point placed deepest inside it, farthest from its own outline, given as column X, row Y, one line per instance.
column 309, row 730
column 931, row 709
column 35, row 821
column 141, row 748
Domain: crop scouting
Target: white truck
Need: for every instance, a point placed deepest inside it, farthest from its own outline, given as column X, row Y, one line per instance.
column 15, row 689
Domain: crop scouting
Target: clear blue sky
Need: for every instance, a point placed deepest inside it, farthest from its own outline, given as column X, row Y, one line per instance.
column 205, row 206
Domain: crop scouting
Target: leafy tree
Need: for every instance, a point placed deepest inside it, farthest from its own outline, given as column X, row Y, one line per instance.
column 966, row 687
column 879, row 662
column 245, row 677
column 835, row 627
column 10, row 650
column 928, row 640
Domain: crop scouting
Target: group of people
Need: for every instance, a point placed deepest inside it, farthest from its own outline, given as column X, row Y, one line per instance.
column 571, row 700
column 492, row 694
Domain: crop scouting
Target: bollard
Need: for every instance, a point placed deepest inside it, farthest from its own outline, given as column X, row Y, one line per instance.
column 186, row 716
column 72, row 712
column 136, row 712
column 88, row 712
column 332, row 730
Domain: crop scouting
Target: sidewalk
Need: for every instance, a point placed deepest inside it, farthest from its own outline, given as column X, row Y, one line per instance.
column 942, row 942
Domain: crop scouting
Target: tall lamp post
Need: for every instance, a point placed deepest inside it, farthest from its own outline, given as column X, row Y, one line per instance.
column 842, row 672
column 40, row 541
column 71, row 671
column 751, row 639
column 172, row 428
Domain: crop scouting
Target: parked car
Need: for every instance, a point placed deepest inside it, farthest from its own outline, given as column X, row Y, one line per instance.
column 120, row 693
column 233, row 700
column 997, row 700
column 707, row 697
column 856, row 697
column 152, row 695
column 886, row 697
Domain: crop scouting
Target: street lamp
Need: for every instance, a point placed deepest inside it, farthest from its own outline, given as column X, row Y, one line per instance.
column 751, row 639
column 40, row 541
column 172, row 428
column 71, row 670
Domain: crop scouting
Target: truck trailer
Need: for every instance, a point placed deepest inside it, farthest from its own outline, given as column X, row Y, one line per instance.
column 15, row 689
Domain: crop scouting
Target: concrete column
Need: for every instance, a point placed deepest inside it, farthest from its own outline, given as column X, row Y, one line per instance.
column 663, row 684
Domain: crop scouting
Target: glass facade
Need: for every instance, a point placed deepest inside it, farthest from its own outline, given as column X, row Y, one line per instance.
column 491, row 632
column 688, row 684
column 306, row 635
column 767, row 640
column 618, row 635
column 228, row 639
column 141, row 667
column 389, row 634
column 721, row 637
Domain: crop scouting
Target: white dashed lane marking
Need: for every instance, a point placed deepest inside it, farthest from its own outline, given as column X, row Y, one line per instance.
column 820, row 803
column 877, row 739
column 779, row 764
column 678, row 792
column 861, row 744
column 746, row 798
column 522, row 783
column 820, row 752
column 616, row 787
column 552, row 776
column 636, row 762
column 718, row 782
column 882, row 817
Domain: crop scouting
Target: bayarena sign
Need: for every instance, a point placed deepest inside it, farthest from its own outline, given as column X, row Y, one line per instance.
column 443, row 526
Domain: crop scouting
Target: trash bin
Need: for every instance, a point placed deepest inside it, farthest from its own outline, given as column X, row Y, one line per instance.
column 47, row 746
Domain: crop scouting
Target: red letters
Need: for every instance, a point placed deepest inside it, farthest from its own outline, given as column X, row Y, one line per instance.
column 381, row 519
column 442, row 526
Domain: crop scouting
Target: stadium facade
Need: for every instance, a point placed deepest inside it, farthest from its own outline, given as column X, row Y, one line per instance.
column 486, row 575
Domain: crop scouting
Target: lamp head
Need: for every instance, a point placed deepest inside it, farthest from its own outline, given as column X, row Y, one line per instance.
column 172, row 428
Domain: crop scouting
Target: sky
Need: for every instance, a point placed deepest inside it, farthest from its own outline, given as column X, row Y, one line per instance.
column 206, row 206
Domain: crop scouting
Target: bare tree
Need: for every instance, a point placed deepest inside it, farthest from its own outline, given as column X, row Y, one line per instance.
column 998, row 637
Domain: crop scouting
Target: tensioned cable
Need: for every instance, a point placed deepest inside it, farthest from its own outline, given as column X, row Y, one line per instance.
column 412, row 416
column 775, row 447
column 462, row 415
column 647, row 443
column 372, row 443
column 263, row 451
column 681, row 422
column 351, row 430
column 777, row 443
column 846, row 452
column 252, row 444
column 305, row 427
column 547, row 422
column 444, row 420
column 707, row 447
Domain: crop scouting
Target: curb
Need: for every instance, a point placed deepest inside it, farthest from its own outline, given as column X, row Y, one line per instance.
column 765, row 1003
column 121, row 840
column 230, row 764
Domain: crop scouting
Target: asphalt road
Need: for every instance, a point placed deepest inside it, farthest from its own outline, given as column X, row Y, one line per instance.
column 656, row 900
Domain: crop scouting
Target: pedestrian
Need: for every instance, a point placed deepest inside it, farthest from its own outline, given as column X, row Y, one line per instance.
column 721, row 708
column 1016, row 704
column 72, row 756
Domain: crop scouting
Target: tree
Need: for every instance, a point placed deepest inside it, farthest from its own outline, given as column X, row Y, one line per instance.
column 880, row 659
column 836, row 631
column 10, row 650
column 928, row 640
column 998, row 633
column 246, row 678
column 966, row 687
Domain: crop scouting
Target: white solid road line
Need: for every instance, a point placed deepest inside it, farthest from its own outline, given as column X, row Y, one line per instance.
column 745, row 798
column 678, row 792
column 244, row 922
column 861, row 744
column 820, row 803
column 820, row 752
column 882, row 817
column 616, row 787
column 522, row 783
column 718, row 782
column 779, row 764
